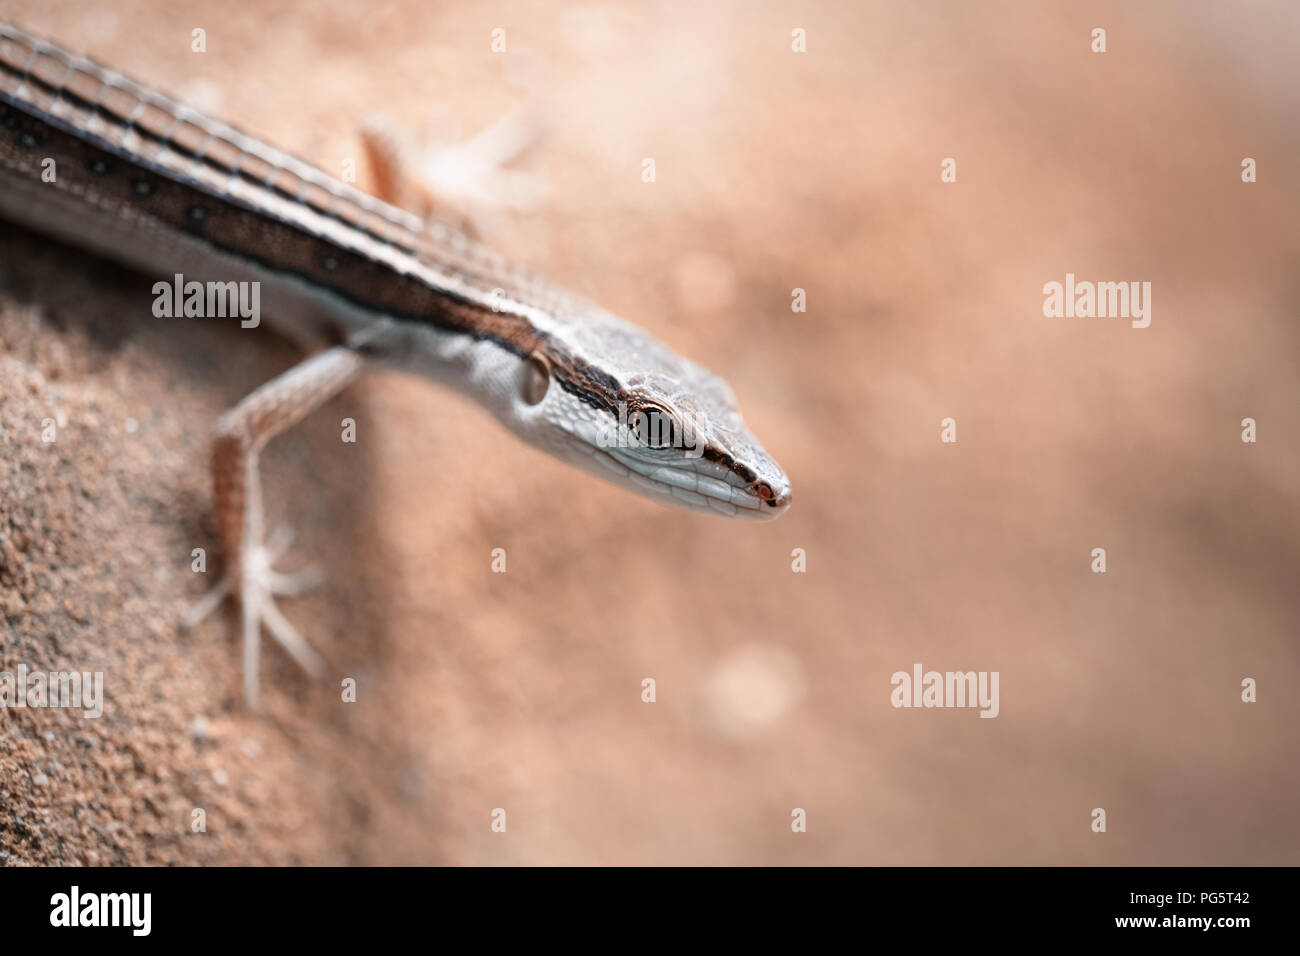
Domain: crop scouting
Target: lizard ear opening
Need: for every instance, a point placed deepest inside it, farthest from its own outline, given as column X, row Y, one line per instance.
column 537, row 378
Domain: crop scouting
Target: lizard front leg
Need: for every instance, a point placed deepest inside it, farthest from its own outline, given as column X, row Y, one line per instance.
column 249, row 573
column 466, row 183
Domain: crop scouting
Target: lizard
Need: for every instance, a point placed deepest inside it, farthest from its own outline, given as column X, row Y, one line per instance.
column 162, row 188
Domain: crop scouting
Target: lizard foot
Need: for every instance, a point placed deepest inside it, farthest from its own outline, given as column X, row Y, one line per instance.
column 259, row 583
column 468, row 179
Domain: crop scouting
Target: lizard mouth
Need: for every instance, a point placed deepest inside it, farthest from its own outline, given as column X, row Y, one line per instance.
column 691, row 488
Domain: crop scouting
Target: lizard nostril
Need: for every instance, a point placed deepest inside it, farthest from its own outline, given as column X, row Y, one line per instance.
column 772, row 497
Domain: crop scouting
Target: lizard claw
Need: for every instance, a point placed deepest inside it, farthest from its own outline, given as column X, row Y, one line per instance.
column 259, row 584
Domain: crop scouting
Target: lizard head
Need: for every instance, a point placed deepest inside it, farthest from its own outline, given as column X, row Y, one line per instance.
column 595, row 391
column 608, row 397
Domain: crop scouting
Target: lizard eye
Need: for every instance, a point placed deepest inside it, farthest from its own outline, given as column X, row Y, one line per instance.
column 655, row 428
column 537, row 378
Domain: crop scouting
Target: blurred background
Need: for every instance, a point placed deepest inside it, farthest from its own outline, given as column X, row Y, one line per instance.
column 775, row 171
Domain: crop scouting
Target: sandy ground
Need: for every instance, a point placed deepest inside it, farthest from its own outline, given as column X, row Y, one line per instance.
column 775, row 170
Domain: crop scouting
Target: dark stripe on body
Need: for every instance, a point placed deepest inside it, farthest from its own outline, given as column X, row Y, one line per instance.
column 261, row 235
column 279, row 245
